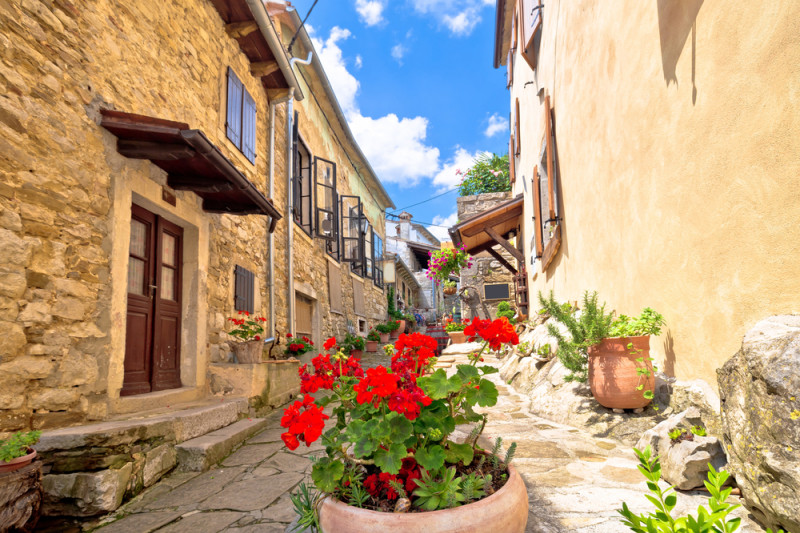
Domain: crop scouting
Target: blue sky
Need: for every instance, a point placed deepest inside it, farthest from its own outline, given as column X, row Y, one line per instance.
column 415, row 80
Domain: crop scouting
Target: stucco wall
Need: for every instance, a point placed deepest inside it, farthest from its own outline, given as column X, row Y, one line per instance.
column 678, row 147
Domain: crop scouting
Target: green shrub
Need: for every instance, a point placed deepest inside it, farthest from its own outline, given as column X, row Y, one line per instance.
column 17, row 445
column 489, row 173
column 504, row 310
column 455, row 326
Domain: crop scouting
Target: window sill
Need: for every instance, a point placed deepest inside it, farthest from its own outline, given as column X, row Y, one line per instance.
column 300, row 232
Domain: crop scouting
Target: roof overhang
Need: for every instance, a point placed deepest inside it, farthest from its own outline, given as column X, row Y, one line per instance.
column 422, row 252
column 191, row 161
column 504, row 13
column 249, row 23
column 484, row 231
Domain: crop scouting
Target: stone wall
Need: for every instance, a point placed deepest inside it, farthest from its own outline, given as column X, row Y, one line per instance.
column 66, row 194
column 485, row 269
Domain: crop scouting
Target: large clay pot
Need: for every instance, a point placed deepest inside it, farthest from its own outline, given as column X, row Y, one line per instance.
column 384, row 338
column 612, row 372
column 248, row 352
column 357, row 353
column 449, row 291
column 19, row 462
column 504, row 511
column 372, row 346
column 457, row 337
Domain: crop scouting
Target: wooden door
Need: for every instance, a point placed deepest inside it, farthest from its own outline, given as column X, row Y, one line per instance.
column 152, row 345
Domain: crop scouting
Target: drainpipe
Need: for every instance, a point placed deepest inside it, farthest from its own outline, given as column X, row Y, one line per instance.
column 290, row 199
column 271, row 194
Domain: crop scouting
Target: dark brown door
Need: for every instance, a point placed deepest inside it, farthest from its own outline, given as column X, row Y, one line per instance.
column 152, row 346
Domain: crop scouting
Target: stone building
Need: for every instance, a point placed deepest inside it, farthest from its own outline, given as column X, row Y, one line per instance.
column 492, row 274
column 412, row 243
column 149, row 157
column 656, row 147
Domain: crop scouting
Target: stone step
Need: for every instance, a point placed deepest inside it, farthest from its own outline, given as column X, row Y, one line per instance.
column 201, row 453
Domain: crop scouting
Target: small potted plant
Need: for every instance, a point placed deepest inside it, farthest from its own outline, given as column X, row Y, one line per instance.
column 612, row 354
column 504, row 310
column 372, row 340
column 297, row 346
column 447, row 261
column 383, row 332
column 353, row 345
column 249, row 330
column 410, row 322
column 392, row 447
column 449, row 288
column 455, row 330
column 16, row 451
column 394, row 329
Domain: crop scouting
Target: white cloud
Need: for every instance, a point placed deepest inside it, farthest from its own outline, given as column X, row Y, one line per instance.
column 449, row 175
column 359, row 61
column 448, row 221
column 370, row 11
column 459, row 17
column 394, row 146
column 497, row 124
column 398, row 51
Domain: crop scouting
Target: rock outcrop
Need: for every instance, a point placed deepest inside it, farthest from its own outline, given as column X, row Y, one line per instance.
column 684, row 463
column 760, row 392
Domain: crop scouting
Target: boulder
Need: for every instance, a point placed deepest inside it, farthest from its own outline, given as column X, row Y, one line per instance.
column 684, row 464
column 759, row 390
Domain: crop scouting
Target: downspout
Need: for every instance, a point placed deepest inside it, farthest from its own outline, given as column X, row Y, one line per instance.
column 290, row 199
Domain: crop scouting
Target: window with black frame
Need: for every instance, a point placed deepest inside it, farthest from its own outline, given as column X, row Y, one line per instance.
column 302, row 189
column 377, row 257
column 369, row 263
column 353, row 221
column 326, row 219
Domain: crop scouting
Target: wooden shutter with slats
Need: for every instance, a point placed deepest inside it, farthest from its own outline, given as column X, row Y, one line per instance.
column 244, row 290
column 233, row 119
column 249, row 127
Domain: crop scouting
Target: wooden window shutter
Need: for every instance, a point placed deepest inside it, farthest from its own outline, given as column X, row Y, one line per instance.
column 551, row 175
column 244, row 290
column 530, row 21
column 358, row 298
column 537, row 211
column 249, row 127
column 335, row 287
column 512, row 167
column 516, row 129
column 233, row 119
column 296, row 166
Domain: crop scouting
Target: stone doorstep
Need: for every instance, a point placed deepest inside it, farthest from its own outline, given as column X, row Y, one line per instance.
column 201, row 453
column 184, row 424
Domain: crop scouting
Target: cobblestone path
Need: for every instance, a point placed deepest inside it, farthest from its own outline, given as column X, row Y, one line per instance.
column 575, row 481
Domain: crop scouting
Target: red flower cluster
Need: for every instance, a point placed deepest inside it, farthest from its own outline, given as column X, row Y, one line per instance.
column 378, row 384
column 326, row 372
column 296, row 347
column 495, row 332
column 304, row 421
column 330, row 343
column 378, row 484
column 414, row 352
column 409, row 399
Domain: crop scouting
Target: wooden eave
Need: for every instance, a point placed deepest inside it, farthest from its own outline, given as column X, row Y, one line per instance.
column 191, row 161
column 484, row 231
column 236, row 14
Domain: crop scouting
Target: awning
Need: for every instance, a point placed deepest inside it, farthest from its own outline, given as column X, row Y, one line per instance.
column 191, row 161
column 484, row 231
column 421, row 252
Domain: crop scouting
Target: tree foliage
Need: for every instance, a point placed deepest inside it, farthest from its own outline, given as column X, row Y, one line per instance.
column 489, row 173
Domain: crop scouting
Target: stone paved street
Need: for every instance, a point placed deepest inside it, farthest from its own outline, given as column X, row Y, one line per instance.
column 575, row 481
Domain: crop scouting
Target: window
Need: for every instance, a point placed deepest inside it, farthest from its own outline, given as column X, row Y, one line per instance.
column 530, row 25
column 377, row 257
column 352, row 235
column 496, row 291
column 244, row 292
column 545, row 192
column 369, row 262
column 302, row 189
column 326, row 216
column 240, row 121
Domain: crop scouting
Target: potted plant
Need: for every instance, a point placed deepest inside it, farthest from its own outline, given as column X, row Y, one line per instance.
column 449, row 288
column 391, row 449
column 295, row 347
column 504, row 310
column 249, row 330
column 456, row 332
column 410, row 322
column 16, row 451
column 447, row 261
column 613, row 355
column 353, row 345
column 383, row 332
column 394, row 329
column 372, row 340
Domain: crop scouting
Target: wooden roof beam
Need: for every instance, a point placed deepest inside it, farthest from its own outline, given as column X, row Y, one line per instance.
column 504, row 243
column 237, row 30
column 494, row 253
column 264, row 68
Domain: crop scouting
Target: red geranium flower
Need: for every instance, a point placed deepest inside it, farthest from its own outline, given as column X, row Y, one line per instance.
column 330, row 343
column 305, row 422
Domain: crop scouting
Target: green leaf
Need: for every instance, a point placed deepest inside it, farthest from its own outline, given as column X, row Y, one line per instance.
column 431, row 457
column 648, row 394
column 438, row 386
column 355, row 430
column 467, row 372
column 487, row 393
column 365, row 446
column 400, row 429
column 459, row 452
column 326, row 473
column 389, row 461
column 382, row 430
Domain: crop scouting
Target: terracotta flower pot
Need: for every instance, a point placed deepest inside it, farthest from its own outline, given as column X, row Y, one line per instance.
column 384, row 338
column 248, row 352
column 19, row 462
column 449, row 290
column 356, row 353
column 394, row 335
column 504, row 511
column 457, row 337
column 612, row 372
column 372, row 346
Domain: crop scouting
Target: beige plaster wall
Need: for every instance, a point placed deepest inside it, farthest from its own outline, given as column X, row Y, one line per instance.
column 678, row 146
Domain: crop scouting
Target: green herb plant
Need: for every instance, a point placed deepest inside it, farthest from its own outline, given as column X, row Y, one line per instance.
column 455, row 326
column 700, row 431
column 17, row 445
column 504, row 310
